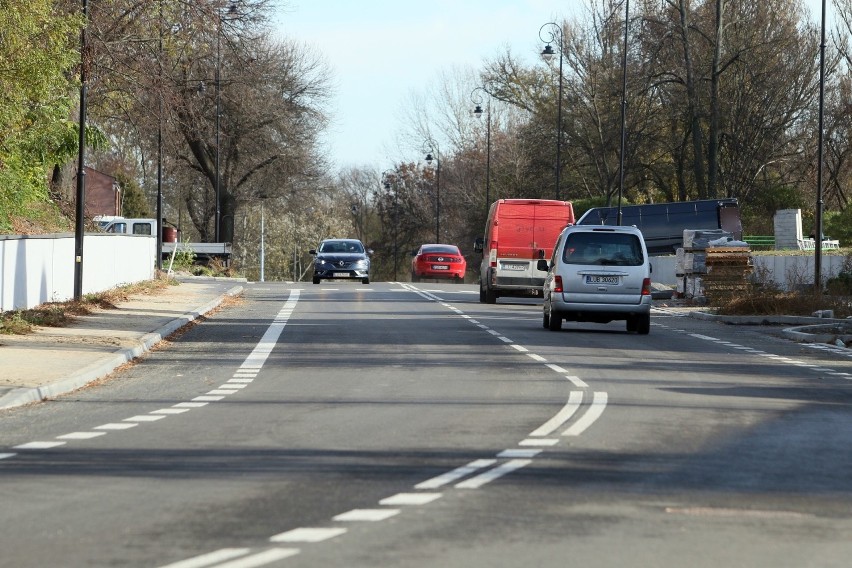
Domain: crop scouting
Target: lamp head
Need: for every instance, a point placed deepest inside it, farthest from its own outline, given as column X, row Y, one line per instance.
column 429, row 158
column 478, row 111
column 548, row 53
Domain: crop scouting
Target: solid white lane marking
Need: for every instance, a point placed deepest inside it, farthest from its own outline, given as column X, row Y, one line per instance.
column 539, row 442
column 575, row 398
column 401, row 499
column 261, row 558
column 4, row 456
column 116, row 426
column 369, row 515
column 144, row 418
column 458, row 473
column 577, row 381
column 207, row 398
column 190, row 404
column 516, row 453
column 308, row 534
column 594, row 412
column 492, row 474
column 210, row 558
column 80, row 435
column 38, row 445
column 170, row 411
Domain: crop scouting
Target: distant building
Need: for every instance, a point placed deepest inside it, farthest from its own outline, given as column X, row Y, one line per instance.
column 103, row 194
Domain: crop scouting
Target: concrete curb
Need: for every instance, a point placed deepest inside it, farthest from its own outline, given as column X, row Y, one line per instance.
column 96, row 371
column 805, row 330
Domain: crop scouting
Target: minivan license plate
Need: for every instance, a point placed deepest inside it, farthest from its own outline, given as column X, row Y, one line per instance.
column 595, row 279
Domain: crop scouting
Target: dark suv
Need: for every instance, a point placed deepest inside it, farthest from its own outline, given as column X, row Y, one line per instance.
column 343, row 259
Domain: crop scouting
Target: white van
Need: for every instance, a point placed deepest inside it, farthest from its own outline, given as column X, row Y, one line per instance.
column 131, row 226
column 598, row 274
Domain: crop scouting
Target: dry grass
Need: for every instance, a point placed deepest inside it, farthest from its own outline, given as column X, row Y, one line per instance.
column 60, row 314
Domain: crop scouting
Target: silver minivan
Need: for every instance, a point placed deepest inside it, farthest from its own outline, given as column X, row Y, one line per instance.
column 598, row 274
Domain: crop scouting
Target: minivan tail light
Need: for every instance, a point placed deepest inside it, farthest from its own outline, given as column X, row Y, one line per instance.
column 492, row 256
column 646, row 287
column 557, row 284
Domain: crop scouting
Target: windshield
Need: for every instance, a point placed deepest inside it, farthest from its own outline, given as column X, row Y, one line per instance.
column 441, row 250
column 342, row 247
column 603, row 249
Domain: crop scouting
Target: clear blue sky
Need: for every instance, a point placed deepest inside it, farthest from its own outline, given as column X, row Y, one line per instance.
column 383, row 51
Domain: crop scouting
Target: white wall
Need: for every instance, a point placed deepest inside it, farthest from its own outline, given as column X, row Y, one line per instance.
column 787, row 271
column 39, row 269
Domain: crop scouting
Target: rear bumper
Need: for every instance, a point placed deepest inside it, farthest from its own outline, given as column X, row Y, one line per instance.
column 572, row 310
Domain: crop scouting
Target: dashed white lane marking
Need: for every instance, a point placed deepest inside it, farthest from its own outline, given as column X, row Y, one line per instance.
column 222, row 391
column 80, row 435
column 539, row 442
column 261, row 558
column 309, row 534
column 575, row 398
column 4, row 456
column 207, row 398
column 535, row 357
column 520, row 348
column 370, row 515
column 241, row 381
column 144, row 418
column 210, row 558
column 598, row 405
column 38, row 445
column 233, row 386
column 402, row 499
column 492, row 474
column 117, row 426
column 190, row 404
column 516, row 453
column 170, row 411
column 458, row 473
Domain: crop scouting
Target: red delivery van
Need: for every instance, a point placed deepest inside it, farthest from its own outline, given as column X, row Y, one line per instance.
column 518, row 232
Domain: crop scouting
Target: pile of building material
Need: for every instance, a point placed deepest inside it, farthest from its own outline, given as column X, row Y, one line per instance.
column 711, row 263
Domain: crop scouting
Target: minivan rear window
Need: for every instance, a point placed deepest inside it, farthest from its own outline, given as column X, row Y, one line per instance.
column 603, row 248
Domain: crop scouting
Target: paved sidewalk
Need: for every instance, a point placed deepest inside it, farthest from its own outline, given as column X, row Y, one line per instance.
column 53, row 361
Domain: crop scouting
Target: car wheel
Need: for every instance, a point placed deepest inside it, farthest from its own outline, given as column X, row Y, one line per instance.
column 414, row 277
column 366, row 280
column 643, row 324
column 481, row 294
column 554, row 322
column 316, row 280
column 490, row 296
column 632, row 323
column 545, row 321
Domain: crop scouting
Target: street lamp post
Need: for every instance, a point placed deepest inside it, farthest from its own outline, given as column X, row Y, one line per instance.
column 477, row 111
column 262, row 250
column 81, row 162
column 554, row 31
column 819, row 202
column 432, row 154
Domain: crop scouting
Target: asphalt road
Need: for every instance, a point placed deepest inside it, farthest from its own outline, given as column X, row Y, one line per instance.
column 410, row 425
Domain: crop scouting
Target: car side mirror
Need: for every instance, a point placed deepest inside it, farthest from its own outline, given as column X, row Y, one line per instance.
column 543, row 265
column 312, row 252
column 479, row 244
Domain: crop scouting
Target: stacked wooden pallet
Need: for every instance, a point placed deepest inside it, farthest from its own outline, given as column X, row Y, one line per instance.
column 728, row 269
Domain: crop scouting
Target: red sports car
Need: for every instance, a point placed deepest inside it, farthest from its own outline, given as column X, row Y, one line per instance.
column 438, row 261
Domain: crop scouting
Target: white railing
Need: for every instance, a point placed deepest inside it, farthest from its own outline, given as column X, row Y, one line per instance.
column 39, row 269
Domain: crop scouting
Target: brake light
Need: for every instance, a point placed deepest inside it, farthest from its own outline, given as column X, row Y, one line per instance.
column 557, row 284
column 646, row 287
column 492, row 256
